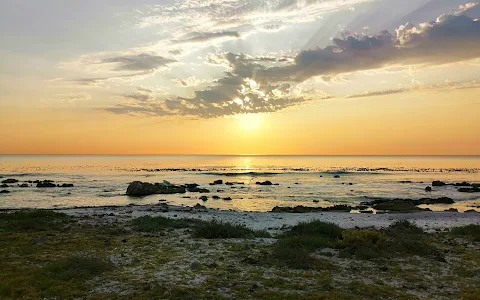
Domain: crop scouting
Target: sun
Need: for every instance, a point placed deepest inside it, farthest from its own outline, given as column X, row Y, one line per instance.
column 250, row 122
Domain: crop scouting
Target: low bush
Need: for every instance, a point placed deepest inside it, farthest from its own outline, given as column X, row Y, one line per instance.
column 81, row 267
column 316, row 228
column 33, row 220
column 220, row 230
column 153, row 224
column 363, row 243
column 471, row 231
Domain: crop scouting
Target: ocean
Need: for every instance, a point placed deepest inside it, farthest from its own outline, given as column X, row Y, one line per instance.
column 103, row 179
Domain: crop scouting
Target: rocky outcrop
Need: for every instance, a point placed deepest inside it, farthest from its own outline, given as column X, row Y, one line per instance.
column 10, row 180
column 45, row 184
column 217, row 182
column 65, row 185
column 406, row 205
column 138, row 188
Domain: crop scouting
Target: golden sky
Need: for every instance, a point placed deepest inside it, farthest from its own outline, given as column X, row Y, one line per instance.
column 330, row 77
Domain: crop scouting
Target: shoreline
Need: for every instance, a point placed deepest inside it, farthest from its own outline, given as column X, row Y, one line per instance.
column 270, row 221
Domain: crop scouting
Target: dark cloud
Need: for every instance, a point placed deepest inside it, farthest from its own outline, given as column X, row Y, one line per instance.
column 379, row 93
column 198, row 37
column 138, row 62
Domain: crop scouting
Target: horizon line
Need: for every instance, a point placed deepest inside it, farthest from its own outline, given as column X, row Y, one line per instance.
column 245, row 154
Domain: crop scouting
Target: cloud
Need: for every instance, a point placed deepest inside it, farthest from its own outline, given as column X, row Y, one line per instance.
column 72, row 97
column 379, row 93
column 191, row 81
column 451, row 85
column 198, row 37
column 463, row 8
column 138, row 62
column 250, row 86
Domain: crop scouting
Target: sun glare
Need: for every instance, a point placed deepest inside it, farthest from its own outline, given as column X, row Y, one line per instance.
column 250, row 122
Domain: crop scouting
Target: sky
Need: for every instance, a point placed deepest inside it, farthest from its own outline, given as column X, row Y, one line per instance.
column 326, row 77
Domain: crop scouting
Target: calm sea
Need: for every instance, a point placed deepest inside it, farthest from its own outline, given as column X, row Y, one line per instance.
column 103, row 179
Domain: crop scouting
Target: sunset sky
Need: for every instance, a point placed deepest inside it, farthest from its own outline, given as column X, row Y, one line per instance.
column 240, row 77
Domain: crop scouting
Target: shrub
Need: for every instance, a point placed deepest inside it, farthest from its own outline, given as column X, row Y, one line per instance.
column 472, row 231
column 33, row 220
column 363, row 243
column 153, row 224
column 80, row 266
column 220, row 230
column 316, row 228
column 404, row 227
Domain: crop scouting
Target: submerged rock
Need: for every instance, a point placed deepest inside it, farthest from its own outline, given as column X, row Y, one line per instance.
column 406, row 205
column 234, row 182
column 215, row 197
column 4, row 185
column 469, row 190
column 23, row 185
column 46, row 184
column 428, row 189
column 203, row 198
column 138, row 188
column 336, row 176
column 65, row 185
column 217, row 182
column 227, row 198
column 266, row 182
column 10, row 180
column 306, row 209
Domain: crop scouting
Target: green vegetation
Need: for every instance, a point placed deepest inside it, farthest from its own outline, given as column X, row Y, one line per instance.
column 78, row 266
column 32, row 220
column 161, row 258
column 471, row 231
column 202, row 229
column 220, row 230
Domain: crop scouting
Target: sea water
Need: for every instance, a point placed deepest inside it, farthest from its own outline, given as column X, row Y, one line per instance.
column 303, row 180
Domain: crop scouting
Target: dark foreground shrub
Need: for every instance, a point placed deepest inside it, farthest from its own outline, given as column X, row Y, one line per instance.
column 220, row 230
column 404, row 227
column 316, row 228
column 363, row 243
column 81, row 267
column 153, row 224
column 472, row 231
column 33, row 220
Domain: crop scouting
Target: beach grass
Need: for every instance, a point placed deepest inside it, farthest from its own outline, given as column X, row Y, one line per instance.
column 159, row 258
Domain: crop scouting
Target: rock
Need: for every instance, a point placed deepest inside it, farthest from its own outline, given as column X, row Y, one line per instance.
column 138, row 188
column 4, row 185
column 306, row 209
column 336, row 176
column 162, row 207
column 267, row 182
column 462, row 184
column 10, row 180
column 471, row 211
column 198, row 190
column 452, row 210
column 199, row 206
column 428, row 189
column 366, row 212
column 4, row 192
column 190, row 185
column 315, row 201
column 350, row 183
column 46, row 184
column 203, row 198
column 23, row 185
column 405, row 181
column 217, row 182
column 234, row 182
column 406, row 205
column 469, row 190
column 438, row 183
column 215, row 197
column 219, row 191
column 40, row 240
column 65, row 185
column 227, row 198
